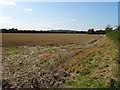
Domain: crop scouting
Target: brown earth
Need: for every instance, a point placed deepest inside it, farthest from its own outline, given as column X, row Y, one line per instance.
column 45, row 39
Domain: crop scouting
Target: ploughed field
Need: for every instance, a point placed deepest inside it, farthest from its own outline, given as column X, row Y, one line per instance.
column 58, row 60
column 45, row 39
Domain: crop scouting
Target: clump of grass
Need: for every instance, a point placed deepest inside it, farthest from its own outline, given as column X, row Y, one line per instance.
column 92, row 41
column 114, row 35
column 12, row 50
column 86, row 81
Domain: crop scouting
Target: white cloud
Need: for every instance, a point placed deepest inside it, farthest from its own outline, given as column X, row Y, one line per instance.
column 6, row 22
column 5, row 19
column 60, row 21
column 7, row 2
column 28, row 9
column 68, row 0
column 73, row 20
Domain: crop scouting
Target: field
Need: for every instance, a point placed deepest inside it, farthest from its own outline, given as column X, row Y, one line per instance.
column 58, row 60
column 45, row 39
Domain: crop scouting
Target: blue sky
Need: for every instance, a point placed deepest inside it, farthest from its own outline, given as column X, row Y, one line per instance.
column 59, row 15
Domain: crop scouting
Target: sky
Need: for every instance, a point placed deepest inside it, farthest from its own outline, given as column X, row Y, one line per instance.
column 58, row 15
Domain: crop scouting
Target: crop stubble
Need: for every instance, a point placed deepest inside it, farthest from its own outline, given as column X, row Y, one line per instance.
column 45, row 39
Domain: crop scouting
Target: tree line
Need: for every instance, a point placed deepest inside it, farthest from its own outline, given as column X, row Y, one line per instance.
column 89, row 31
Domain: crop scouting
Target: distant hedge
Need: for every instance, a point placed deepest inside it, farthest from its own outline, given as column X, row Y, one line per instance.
column 90, row 31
